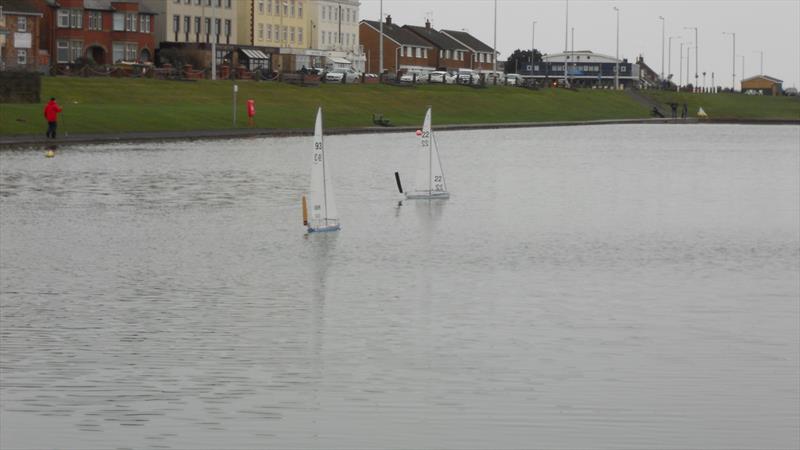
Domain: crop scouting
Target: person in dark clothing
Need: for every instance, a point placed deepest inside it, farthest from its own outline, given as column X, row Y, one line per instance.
column 51, row 115
column 685, row 111
column 674, row 107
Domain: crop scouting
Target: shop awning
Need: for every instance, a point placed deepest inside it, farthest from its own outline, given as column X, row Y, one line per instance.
column 336, row 60
column 254, row 54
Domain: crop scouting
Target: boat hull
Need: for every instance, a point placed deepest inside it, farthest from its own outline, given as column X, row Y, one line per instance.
column 426, row 196
column 326, row 229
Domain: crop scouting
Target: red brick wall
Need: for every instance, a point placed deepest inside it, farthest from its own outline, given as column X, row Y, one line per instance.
column 10, row 52
column 370, row 38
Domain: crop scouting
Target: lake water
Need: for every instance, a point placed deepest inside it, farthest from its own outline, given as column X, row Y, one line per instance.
column 585, row 287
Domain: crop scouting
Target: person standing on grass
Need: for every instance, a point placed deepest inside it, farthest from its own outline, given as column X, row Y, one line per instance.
column 51, row 115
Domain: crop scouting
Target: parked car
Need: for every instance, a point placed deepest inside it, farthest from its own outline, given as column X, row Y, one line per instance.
column 414, row 76
column 442, row 77
column 513, row 79
column 337, row 75
column 463, row 76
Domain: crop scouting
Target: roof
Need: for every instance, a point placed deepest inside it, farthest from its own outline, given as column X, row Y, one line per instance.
column 336, row 60
column 469, row 40
column 398, row 34
column 19, row 6
column 763, row 77
column 436, row 38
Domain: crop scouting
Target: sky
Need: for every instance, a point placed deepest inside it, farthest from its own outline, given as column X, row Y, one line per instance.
column 768, row 26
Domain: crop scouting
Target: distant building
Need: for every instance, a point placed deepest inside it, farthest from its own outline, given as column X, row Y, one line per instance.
column 482, row 55
column 763, row 84
column 584, row 69
column 103, row 31
column 20, row 27
column 402, row 49
column 335, row 33
column 448, row 53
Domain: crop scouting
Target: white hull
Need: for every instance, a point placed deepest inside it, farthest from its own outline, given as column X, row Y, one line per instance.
column 324, row 229
column 428, row 196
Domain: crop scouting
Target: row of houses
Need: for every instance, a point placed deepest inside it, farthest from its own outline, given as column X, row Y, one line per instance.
column 279, row 34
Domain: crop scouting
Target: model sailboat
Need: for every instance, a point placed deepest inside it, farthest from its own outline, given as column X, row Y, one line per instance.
column 319, row 210
column 429, row 180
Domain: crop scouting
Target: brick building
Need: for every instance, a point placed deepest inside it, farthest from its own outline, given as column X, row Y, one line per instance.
column 104, row 31
column 20, row 26
column 402, row 49
column 448, row 54
column 482, row 54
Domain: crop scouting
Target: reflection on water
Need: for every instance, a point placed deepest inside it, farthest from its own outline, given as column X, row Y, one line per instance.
column 604, row 287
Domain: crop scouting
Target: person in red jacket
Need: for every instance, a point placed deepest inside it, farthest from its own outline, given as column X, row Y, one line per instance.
column 51, row 114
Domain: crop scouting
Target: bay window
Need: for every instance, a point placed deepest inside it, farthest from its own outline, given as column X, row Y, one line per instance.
column 119, row 22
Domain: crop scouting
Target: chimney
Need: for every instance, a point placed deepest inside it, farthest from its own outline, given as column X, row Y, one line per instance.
column 427, row 24
column 388, row 20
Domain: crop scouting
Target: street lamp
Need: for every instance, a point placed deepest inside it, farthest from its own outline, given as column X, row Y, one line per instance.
column 533, row 41
column 566, row 41
column 696, row 54
column 733, row 60
column 494, row 48
column 680, row 70
column 762, row 60
column 688, row 63
column 669, row 56
column 663, row 25
column 616, row 72
column 380, row 43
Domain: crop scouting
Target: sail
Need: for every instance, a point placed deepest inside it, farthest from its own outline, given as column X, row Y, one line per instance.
column 321, row 203
column 429, row 179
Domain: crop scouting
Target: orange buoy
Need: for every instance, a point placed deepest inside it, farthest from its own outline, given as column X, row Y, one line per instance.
column 305, row 212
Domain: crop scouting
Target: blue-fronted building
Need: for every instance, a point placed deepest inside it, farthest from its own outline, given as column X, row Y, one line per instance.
column 584, row 69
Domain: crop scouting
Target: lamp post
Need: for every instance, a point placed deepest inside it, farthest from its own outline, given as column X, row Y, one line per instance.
column 616, row 71
column 213, row 41
column 696, row 54
column 572, row 52
column 688, row 63
column 669, row 56
column 680, row 70
column 762, row 60
column 494, row 48
column 380, row 42
column 566, row 41
column 733, row 60
column 533, row 41
column 663, row 26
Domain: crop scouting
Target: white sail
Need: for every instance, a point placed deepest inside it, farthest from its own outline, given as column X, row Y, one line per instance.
column 322, row 213
column 429, row 181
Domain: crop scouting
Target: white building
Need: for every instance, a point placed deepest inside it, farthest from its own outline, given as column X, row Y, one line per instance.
column 334, row 30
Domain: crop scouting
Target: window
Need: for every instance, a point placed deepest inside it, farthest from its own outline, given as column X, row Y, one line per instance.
column 131, row 19
column 300, row 35
column 118, row 22
column 260, row 31
column 323, row 12
column 424, row 51
column 22, row 25
column 62, row 51
column 330, row 13
column 300, row 8
column 176, row 24
column 219, row 3
column 76, row 18
column 323, row 37
column 217, row 25
column 348, row 15
column 291, row 34
column 227, row 27
column 63, row 18
column 198, row 2
column 284, row 34
column 269, row 7
column 228, row 4
column 145, row 25
column 285, row 9
column 22, row 56
column 261, row 6
column 75, row 50
column 291, row 8
column 95, row 20
column 207, row 24
column 131, row 51
column 417, row 52
column 188, row 2
column 118, row 51
column 197, row 29
column 536, row 68
column 336, row 14
column 187, row 24
column 622, row 68
column 269, row 32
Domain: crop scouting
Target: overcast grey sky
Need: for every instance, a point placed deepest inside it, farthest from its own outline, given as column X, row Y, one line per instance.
column 771, row 26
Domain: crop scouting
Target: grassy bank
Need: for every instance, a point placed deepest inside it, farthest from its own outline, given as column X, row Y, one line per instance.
column 102, row 105
column 733, row 106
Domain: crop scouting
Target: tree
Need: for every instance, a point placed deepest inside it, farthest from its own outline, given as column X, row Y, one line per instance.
column 518, row 61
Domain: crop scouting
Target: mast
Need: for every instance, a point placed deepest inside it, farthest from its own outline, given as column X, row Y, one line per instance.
column 324, row 176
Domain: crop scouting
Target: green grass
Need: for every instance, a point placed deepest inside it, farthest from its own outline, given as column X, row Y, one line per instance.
column 102, row 105
column 733, row 106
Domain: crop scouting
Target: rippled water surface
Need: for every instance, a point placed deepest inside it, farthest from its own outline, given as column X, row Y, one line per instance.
column 585, row 287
